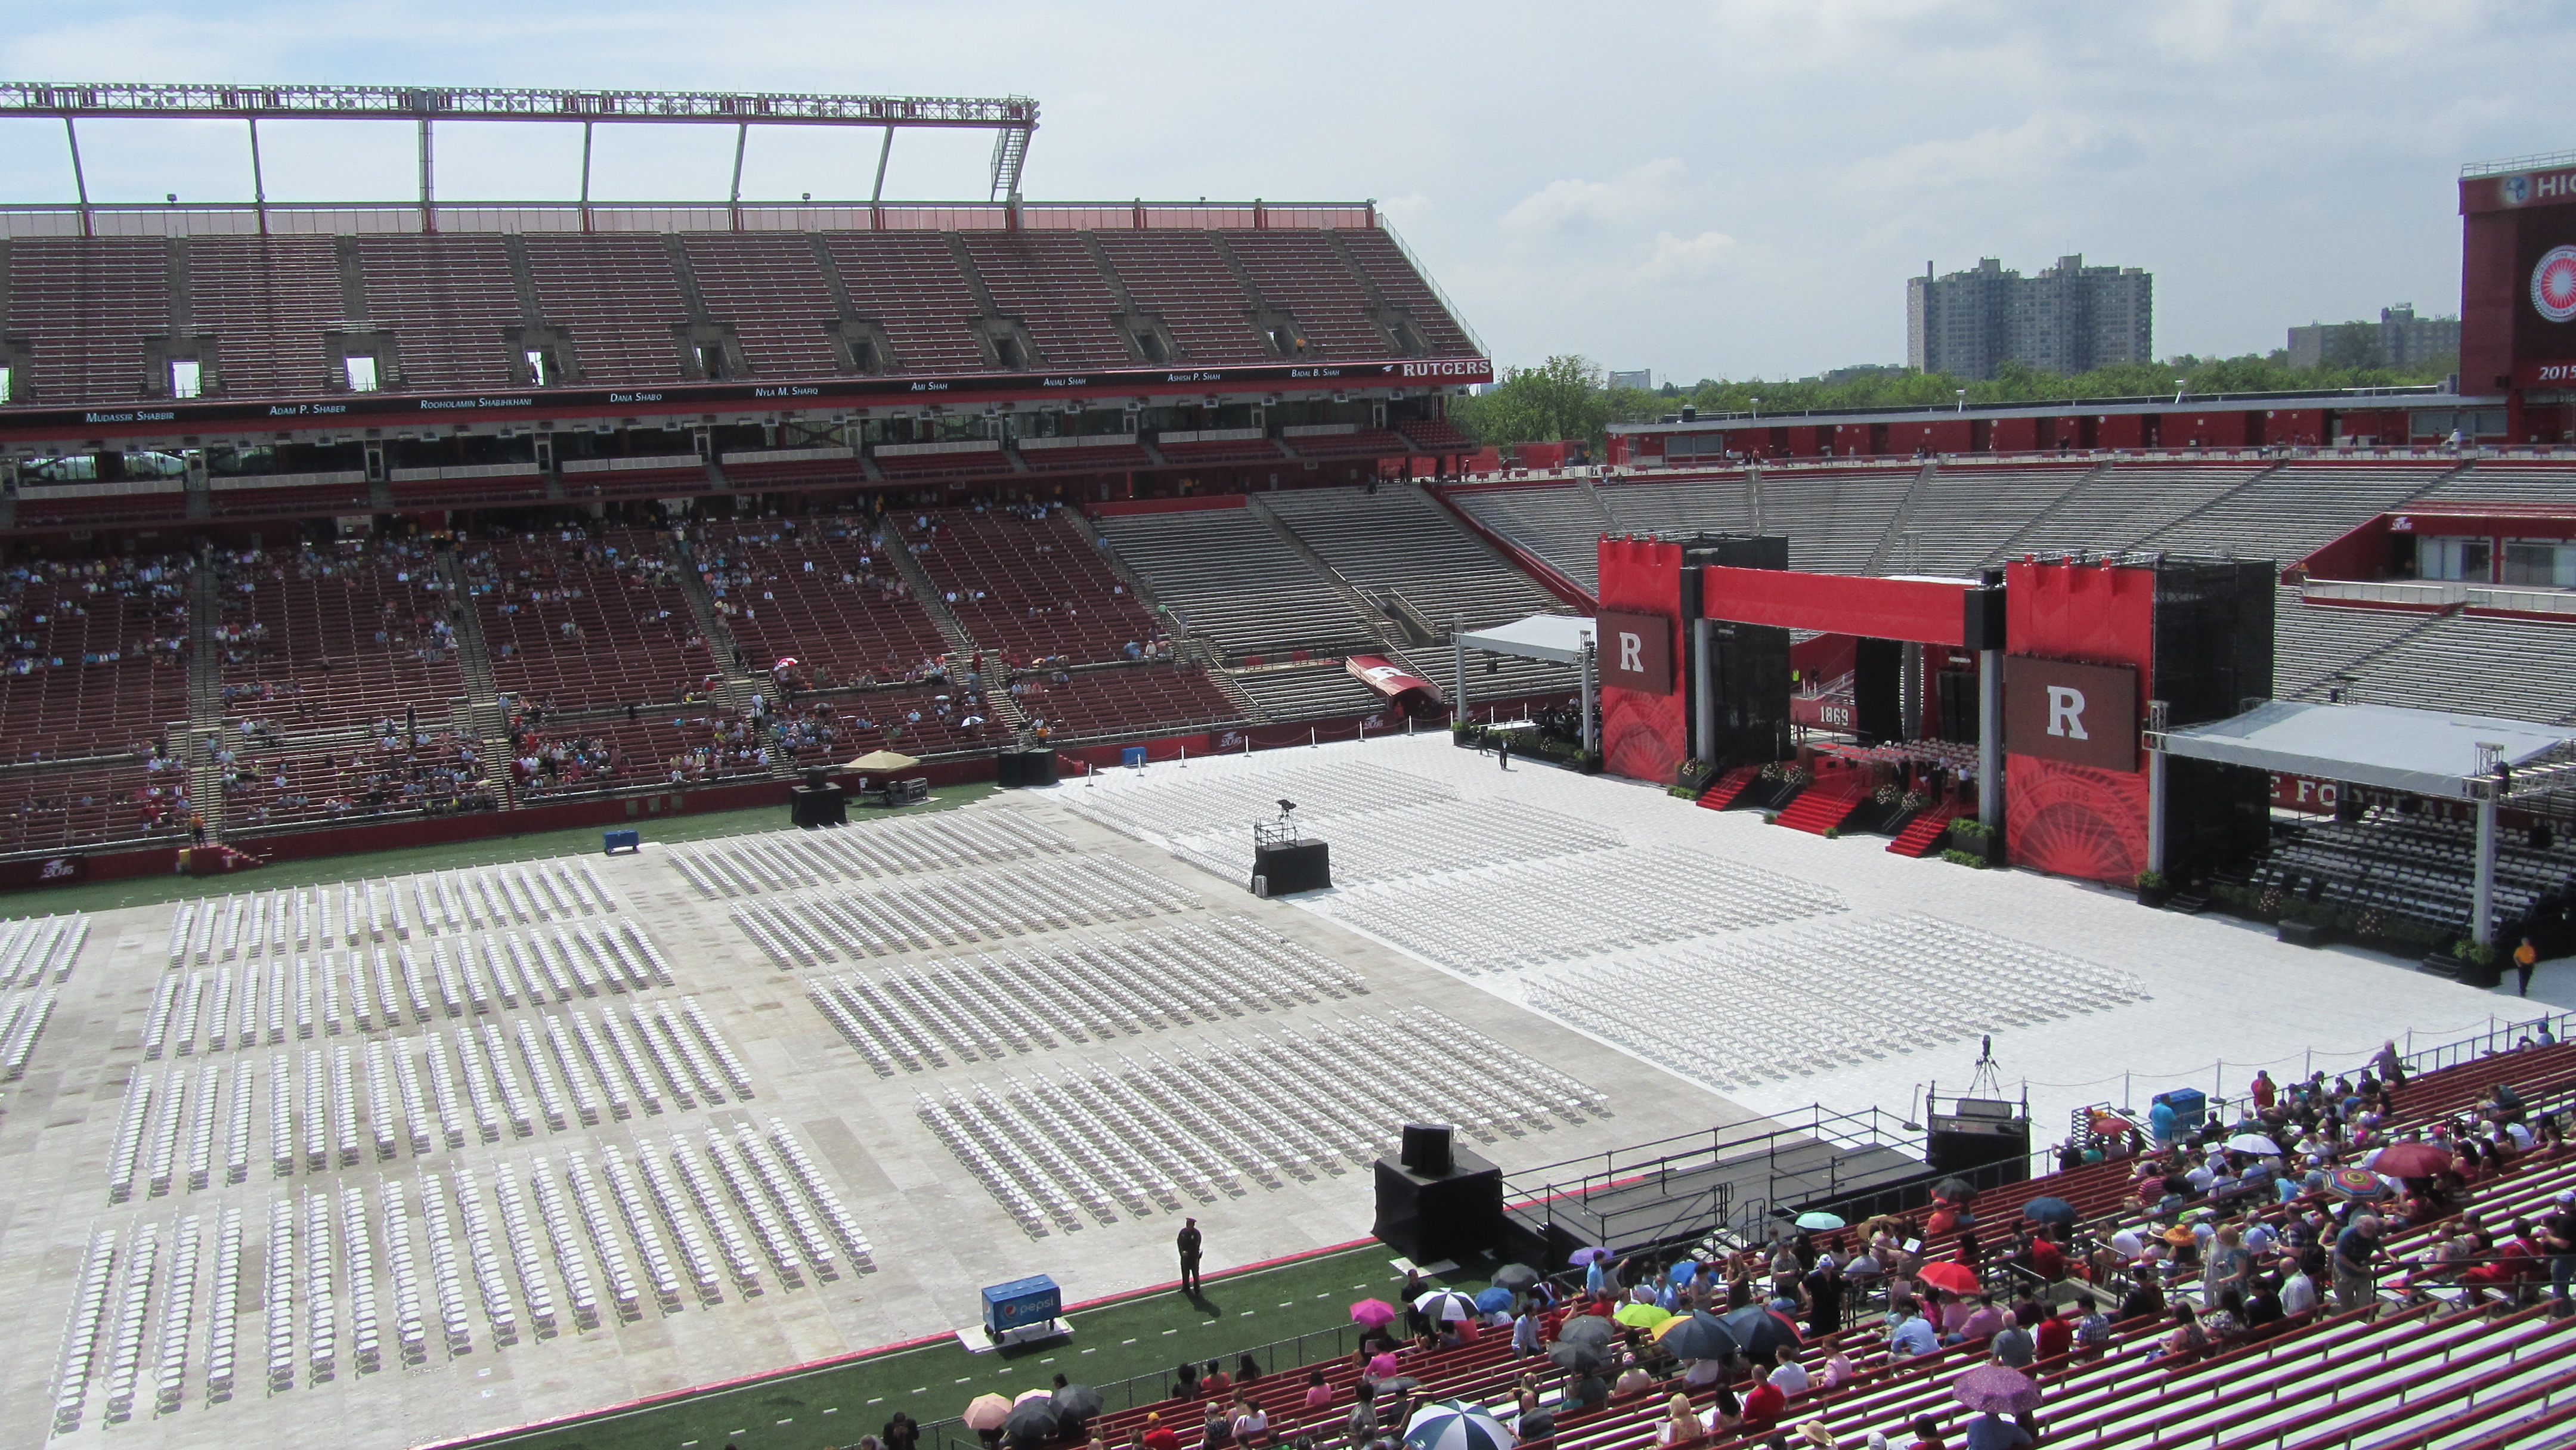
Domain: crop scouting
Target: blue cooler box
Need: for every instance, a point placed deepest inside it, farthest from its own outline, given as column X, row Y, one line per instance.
column 1020, row 1303
column 2190, row 1105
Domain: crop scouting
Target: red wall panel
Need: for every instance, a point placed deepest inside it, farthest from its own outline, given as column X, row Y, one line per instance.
column 1644, row 737
column 2075, row 820
column 2120, row 430
column 1909, row 609
column 2014, row 435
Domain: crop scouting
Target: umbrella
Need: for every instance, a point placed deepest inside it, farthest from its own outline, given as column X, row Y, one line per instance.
column 1582, row 1258
column 1445, row 1306
column 1516, row 1276
column 2050, row 1210
column 1818, row 1219
column 1949, row 1274
column 1077, row 1402
column 987, row 1412
column 785, row 662
column 2410, row 1160
column 882, row 760
column 1758, row 1331
column 1589, row 1329
column 2256, row 1143
column 1956, row 1190
column 1493, row 1299
column 1575, row 1355
column 1641, row 1316
column 2357, row 1183
column 1997, row 1390
column 2109, row 1125
column 1699, row 1335
column 1024, row 1396
column 1455, row 1425
column 1031, row 1420
column 1373, row 1311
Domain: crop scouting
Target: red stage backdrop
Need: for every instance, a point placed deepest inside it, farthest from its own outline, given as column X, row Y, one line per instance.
column 2080, row 820
column 1644, row 736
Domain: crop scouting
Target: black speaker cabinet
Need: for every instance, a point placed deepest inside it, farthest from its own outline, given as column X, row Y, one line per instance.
column 1428, row 1217
column 813, row 806
column 1427, row 1147
column 1959, row 1144
column 1878, row 690
column 1024, row 767
column 1293, row 866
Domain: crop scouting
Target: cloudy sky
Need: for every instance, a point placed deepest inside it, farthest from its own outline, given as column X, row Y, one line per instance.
column 1721, row 189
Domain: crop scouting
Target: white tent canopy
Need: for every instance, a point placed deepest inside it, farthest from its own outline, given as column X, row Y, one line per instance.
column 2421, row 752
column 1564, row 639
column 1557, row 638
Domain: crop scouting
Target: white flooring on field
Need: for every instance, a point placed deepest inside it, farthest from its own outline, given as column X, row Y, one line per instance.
column 1781, row 968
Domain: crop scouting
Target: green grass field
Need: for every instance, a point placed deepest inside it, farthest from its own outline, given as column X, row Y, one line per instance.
column 399, row 860
column 1145, row 1335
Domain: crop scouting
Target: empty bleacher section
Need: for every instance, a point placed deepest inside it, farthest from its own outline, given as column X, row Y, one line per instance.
column 619, row 297
column 87, row 805
column 821, row 591
column 771, row 291
column 266, row 302
column 1050, row 282
column 1556, row 522
column 1678, row 509
column 325, row 637
column 2286, row 513
column 1962, row 515
column 2124, row 503
column 2486, row 666
column 1834, row 517
column 1331, row 305
column 579, row 620
column 2314, row 647
column 1182, row 278
column 1229, row 579
column 1384, row 264
column 910, row 285
column 1306, row 692
column 1407, row 556
column 2414, row 867
column 84, row 307
column 2508, row 483
column 450, row 301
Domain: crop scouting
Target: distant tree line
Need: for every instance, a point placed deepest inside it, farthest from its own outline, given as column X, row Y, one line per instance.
column 1564, row 397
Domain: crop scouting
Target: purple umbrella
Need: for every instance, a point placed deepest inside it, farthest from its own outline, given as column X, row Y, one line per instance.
column 1582, row 1257
column 1996, row 1390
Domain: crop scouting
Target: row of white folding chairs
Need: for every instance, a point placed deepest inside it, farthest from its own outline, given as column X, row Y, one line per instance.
column 766, row 1230
column 819, row 1192
column 1090, row 1184
column 280, row 1304
column 1139, row 1166
column 729, row 1237
column 321, row 1308
column 519, row 1234
column 995, row 1162
column 80, row 1335
column 27, row 1015
column 601, row 1231
column 1562, row 1091
column 705, row 1274
column 567, row 1252
column 639, row 1222
column 446, row 1280
column 411, row 1331
column 1242, row 1130
column 762, row 1159
column 484, row 1258
column 366, row 1351
column 219, row 1322
column 125, row 1345
column 32, row 948
column 759, row 864
column 1486, row 1102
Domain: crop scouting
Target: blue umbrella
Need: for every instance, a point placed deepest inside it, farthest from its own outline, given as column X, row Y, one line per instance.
column 2051, row 1211
column 1494, row 1298
column 1456, row 1425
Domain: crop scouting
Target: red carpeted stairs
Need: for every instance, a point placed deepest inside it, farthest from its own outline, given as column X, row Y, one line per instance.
column 1730, row 785
column 1827, row 803
column 1921, row 834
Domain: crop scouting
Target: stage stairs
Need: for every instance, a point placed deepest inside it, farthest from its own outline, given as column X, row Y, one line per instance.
column 1722, row 794
column 1922, row 834
column 1826, row 804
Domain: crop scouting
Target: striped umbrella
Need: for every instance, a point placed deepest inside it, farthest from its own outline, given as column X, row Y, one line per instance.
column 1455, row 1425
column 1445, row 1306
column 2357, row 1183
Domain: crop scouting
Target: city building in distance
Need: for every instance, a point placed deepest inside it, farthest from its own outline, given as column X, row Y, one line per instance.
column 2069, row 319
column 2398, row 339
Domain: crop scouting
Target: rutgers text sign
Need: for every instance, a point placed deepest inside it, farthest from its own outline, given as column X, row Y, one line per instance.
column 2080, row 714
column 1636, row 652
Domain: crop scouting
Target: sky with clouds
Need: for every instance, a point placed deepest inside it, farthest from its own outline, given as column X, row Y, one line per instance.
column 1721, row 189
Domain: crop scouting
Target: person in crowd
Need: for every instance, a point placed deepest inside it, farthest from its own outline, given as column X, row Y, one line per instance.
column 2356, row 1268
column 1787, row 1375
column 1910, row 1334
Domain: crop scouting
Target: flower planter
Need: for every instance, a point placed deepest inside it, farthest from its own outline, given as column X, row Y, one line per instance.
column 2154, row 896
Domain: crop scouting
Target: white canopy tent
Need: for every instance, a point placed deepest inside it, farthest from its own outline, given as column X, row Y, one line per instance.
column 2421, row 752
column 1565, row 639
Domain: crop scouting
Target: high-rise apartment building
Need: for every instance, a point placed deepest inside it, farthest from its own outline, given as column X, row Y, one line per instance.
column 2069, row 319
column 2398, row 339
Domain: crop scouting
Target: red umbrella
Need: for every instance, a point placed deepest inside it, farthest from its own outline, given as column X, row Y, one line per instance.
column 1949, row 1274
column 2410, row 1160
column 2110, row 1125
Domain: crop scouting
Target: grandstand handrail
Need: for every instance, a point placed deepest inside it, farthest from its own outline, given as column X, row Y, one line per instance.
column 1752, row 419
column 1456, row 317
column 246, row 218
column 1118, row 1395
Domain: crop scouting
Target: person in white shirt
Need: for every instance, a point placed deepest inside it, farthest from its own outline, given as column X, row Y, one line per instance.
column 1788, row 1376
column 2298, row 1294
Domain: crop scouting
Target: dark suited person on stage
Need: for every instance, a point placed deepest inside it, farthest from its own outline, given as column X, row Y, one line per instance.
column 1188, row 1243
